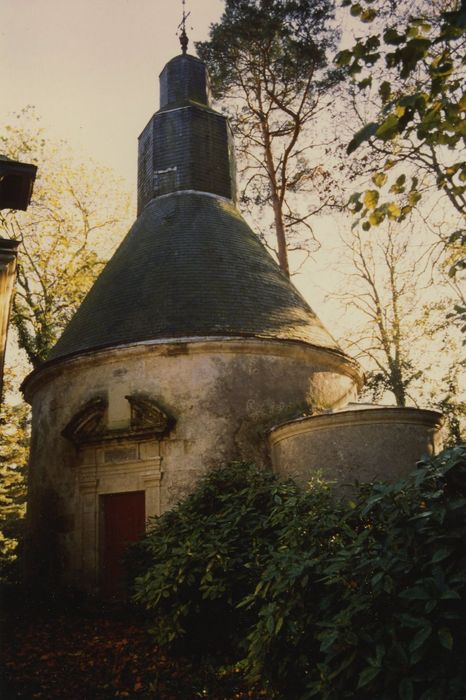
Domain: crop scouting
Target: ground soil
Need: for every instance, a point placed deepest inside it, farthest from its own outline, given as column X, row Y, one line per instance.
column 83, row 652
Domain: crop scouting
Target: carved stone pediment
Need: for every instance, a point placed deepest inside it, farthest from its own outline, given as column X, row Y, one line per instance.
column 147, row 415
column 89, row 424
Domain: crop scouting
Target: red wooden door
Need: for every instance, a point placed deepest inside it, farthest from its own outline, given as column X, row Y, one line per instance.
column 122, row 521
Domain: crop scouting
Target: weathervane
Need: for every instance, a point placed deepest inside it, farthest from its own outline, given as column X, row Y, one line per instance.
column 182, row 27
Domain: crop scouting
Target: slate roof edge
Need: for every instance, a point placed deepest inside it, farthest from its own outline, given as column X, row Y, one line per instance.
column 201, row 192
column 179, row 56
column 352, row 365
column 187, row 104
column 191, row 104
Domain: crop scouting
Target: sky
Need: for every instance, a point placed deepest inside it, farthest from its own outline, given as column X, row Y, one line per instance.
column 90, row 67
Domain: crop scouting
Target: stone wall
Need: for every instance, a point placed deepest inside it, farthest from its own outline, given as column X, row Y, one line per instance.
column 222, row 397
column 379, row 443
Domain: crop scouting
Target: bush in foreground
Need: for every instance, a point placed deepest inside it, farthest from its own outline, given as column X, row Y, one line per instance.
column 319, row 598
column 204, row 557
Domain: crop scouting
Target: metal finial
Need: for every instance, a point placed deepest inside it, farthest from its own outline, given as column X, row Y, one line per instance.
column 182, row 27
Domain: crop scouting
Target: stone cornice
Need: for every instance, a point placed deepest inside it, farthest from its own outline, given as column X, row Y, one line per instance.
column 333, row 360
column 351, row 418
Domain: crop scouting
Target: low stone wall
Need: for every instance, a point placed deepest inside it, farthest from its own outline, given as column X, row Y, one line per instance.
column 356, row 444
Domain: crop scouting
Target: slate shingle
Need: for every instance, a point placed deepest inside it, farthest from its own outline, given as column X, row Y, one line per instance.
column 190, row 267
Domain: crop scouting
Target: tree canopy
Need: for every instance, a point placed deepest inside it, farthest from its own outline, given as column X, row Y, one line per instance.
column 406, row 69
column 78, row 213
column 418, row 134
column 268, row 60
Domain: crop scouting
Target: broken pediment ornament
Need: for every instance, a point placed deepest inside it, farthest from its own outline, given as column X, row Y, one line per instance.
column 89, row 424
column 147, row 415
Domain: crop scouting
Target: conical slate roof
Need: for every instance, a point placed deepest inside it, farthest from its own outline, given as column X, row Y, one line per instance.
column 190, row 267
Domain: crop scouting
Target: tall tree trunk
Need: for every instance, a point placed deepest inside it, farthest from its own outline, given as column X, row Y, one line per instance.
column 396, row 381
column 280, row 232
column 277, row 203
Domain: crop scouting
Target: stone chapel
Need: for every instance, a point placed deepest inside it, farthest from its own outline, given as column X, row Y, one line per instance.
column 191, row 349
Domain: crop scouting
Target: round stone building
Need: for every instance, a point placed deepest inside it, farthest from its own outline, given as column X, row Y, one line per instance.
column 188, row 349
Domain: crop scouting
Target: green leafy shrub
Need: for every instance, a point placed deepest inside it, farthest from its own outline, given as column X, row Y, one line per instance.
column 204, row 556
column 378, row 611
column 396, row 592
column 290, row 594
column 320, row 598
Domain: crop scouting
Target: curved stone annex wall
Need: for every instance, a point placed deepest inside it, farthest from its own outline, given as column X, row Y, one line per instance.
column 218, row 399
column 368, row 444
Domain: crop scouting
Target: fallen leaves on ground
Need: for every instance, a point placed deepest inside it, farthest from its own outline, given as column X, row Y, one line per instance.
column 76, row 656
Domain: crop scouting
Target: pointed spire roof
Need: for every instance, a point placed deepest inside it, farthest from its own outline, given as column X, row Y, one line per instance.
column 190, row 267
